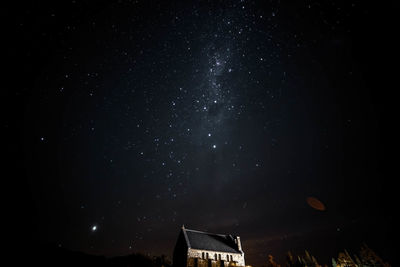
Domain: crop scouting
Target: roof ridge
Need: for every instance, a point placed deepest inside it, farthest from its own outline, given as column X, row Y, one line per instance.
column 202, row 232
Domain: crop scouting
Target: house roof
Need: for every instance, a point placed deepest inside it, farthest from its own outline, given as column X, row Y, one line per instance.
column 209, row 241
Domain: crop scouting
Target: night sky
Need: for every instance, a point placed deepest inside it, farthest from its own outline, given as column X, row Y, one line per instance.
column 132, row 118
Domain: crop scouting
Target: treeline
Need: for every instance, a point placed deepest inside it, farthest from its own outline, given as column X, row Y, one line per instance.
column 365, row 258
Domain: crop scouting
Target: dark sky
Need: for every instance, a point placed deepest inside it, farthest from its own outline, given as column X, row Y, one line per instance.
column 135, row 117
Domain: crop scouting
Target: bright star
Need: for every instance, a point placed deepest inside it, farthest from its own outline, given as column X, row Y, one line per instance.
column 94, row 228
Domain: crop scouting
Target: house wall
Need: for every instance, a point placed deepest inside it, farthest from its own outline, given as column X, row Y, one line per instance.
column 238, row 258
column 180, row 250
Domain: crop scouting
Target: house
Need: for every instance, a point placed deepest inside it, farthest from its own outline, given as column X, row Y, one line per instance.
column 200, row 249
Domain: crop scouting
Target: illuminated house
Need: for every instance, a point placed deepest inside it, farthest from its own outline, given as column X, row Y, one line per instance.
column 201, row 249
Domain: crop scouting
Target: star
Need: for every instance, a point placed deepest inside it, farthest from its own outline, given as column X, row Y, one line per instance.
column 94, row 228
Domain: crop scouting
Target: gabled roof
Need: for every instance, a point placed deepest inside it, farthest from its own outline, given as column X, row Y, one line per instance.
column 209, row 241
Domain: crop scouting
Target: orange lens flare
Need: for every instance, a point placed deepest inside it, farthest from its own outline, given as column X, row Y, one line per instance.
column 315, row 204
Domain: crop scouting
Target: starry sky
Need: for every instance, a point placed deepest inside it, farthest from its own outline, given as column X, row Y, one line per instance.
column 135, row 117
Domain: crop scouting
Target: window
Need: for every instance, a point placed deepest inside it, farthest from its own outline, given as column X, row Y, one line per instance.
column 215, row 256
column 231, row 258
column 207, row 255
column 202, row 255
column 227, row 257
column 219, row 256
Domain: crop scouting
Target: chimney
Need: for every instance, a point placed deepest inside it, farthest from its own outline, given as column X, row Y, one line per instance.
column 239, row 244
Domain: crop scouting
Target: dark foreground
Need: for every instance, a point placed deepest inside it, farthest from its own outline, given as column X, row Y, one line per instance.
column 57, row 256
